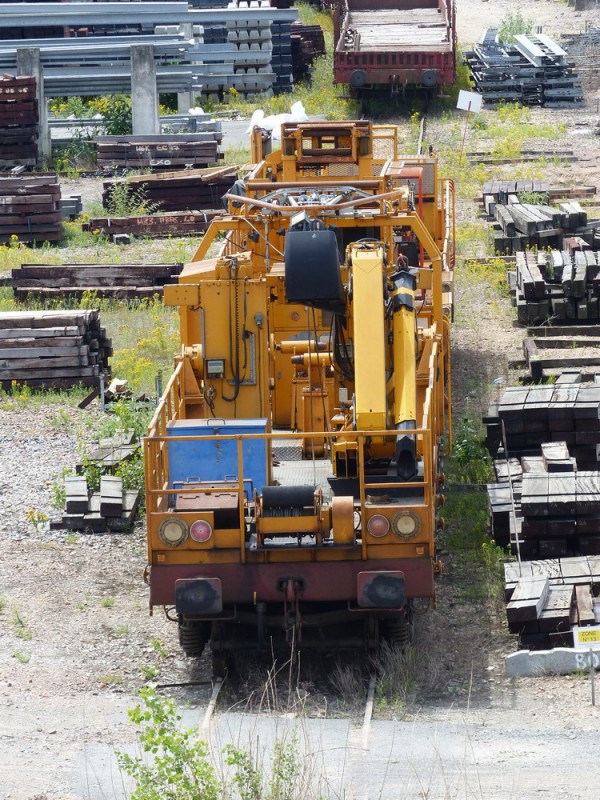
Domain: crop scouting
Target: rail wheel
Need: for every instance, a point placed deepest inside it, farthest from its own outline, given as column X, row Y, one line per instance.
column 193, row 636
column 399, row 630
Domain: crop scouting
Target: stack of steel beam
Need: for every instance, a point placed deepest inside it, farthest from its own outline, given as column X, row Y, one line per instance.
column 18, row 121
column 231, row 49
column 532, row 70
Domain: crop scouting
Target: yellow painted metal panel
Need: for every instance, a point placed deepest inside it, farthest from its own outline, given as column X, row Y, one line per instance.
column 178, row 294
column 369, row 338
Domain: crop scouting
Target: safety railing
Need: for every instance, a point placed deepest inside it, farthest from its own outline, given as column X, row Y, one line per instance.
column 159, row 488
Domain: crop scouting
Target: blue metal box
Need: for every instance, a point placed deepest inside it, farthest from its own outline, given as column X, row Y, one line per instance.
column 216, row 460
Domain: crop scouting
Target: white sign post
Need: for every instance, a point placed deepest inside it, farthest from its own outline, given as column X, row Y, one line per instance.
column 468, row 101
column 588, row 638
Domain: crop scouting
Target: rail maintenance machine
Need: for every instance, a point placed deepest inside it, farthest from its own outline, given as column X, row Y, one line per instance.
column 293, row 477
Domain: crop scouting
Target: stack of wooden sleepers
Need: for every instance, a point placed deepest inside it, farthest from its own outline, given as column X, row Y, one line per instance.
column 18, row 121
column 183, row 223
column 52, row 349
column 122, row 281
column 557, row 284
column 159, row 152
column 191, row 190
column 546, row 598
column 110, row 509
column 30, row 209
column 520, row 224
column 308, row 43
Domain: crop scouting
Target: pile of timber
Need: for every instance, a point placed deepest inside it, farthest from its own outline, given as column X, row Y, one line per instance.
column 545, row 599
column 157, row 152
column 18, row 121
column 563, row 154
column 529, row 416
column 52, row 349
column 557, row 285
column 531, row 70
column 111, row 509
column 519, row 224
column 119, row 281
column 308, row 43
column 183, row 223
column 179, row 191
column 556, row 350
column 30, row 209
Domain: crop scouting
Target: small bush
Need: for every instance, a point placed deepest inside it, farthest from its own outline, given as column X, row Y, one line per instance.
column 514, row 24
column 124, row 201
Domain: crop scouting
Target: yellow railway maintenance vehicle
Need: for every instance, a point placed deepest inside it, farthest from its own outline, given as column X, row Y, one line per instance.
column 293, row 464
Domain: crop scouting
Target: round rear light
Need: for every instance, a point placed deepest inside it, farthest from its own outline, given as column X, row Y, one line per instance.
column 201, row 531
column 378, row 525
column 173, row 531
column 406, row 525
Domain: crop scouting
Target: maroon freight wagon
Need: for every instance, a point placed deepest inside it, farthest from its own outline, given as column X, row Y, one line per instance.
column 394, row 44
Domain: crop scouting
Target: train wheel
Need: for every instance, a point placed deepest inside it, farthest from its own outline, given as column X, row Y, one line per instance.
column 193, row 636
column 399, row 631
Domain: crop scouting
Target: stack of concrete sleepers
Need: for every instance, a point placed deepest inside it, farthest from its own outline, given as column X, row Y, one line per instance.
column 546, row 598
column 112, row 508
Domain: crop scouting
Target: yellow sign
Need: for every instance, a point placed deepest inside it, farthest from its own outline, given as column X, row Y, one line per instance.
column 586, row 637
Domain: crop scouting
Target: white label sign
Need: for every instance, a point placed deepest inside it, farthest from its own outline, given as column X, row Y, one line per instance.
column 469, row 101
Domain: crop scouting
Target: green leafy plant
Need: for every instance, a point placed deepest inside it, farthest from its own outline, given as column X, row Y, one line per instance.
column 22, row 629
column 111, row 680
column 37, row 518
column 513, row 24
column 159, row 648
column 179, row 766
column 150, row 673
column 58, row 492
column 470, row 461
column 107, row 602
column 126, row 201
column 534, row 198
column 22, row 658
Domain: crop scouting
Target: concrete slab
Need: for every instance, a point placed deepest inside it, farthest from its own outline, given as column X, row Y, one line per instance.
column 559, row 661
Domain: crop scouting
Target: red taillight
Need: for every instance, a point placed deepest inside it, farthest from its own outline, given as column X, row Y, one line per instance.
column 378, row 525
column 201, row 531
